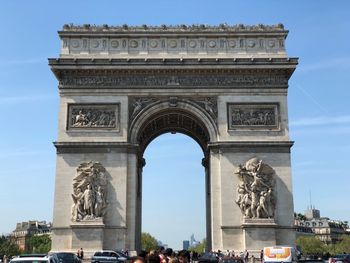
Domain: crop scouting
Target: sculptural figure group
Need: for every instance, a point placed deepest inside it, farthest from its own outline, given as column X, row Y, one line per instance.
column 93, row 118
column 255, row 190
column 89, row 192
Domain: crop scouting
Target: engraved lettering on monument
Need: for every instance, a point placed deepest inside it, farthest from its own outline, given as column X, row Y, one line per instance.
column 256, row 189
column 93, row 116
column 257, row 116
column 89, row 192
column 165, row 80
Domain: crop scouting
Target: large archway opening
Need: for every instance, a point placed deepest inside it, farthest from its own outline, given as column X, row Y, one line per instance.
column 149, row 126
column 173, row 190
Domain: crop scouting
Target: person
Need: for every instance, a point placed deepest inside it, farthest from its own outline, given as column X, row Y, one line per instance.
column 261, row 255
column 137, row 259
column 246, row 256
column 81, row 253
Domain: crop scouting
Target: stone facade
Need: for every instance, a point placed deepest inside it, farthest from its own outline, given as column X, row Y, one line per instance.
column 25, row 230
column 121, row 87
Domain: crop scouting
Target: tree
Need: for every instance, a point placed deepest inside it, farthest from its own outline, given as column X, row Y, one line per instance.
column 8, row 247
column 299, row 216
column 311, row 246
column 148, row 242
column 200, row 248
column 344, row 245
column 39, row 244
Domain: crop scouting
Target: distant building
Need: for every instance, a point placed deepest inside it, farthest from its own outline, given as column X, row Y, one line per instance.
column 185, row 244
column 312, row 213
column 193, row 242
column 27, row 229
column 328, row 231
column 160, row 244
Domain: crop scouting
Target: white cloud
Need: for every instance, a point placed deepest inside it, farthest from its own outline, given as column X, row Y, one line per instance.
column 24, row 99
column 28, row 61
column 320, row 121
column 331, row 63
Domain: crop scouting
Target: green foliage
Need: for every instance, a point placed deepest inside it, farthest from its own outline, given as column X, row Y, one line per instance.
column 200, row 248
column 39, row 244
column 311, row 246
column 8, row 247
column 148, row 242
column 344, row 245
column 299, row 216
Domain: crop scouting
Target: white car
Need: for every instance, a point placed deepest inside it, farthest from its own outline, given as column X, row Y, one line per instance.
column 35, row 258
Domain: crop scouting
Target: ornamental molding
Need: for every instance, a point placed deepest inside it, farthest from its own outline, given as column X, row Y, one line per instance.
column 173, row 80
column 182, row 40
column 172, row 28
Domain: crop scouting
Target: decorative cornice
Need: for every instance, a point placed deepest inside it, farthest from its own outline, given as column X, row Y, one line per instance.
column 173, row 41
column 266, row 62
column 172, row 28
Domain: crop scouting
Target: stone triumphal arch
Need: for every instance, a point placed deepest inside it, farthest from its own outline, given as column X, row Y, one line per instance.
column 121, row 87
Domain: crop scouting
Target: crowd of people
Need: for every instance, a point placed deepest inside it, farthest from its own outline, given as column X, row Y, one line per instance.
column 162, row 255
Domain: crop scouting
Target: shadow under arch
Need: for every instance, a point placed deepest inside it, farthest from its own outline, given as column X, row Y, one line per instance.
column 159, row 118
column 186, row 117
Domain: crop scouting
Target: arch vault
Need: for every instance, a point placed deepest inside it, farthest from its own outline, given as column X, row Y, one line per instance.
column 121, row 87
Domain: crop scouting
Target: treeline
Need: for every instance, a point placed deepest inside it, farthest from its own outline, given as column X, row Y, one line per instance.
column 35, row 244
column 312, row 246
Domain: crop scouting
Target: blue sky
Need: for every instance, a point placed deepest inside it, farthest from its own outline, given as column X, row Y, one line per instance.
column 318, row 99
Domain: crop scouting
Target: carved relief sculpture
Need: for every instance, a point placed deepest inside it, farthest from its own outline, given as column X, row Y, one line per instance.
column 89, row 192
column 258, row 116
column 112, row 81
column 210, row 106
column 256, row 189
column 137, row 104
column 93, row 116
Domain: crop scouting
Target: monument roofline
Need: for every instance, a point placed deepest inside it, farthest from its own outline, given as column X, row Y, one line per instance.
column 201, row 41
column 195, row 28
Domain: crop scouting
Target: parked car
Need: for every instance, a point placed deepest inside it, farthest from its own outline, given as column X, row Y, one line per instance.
column 35, row 258
column 108, row 256
column 231, row 260
column 67, row 257
column 209, row 257
column 340, row 258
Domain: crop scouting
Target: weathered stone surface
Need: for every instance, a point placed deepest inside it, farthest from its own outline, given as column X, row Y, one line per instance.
column 194, row 80
column 169, row 41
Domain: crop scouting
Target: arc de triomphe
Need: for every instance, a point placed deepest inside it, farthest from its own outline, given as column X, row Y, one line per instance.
column 121, row 87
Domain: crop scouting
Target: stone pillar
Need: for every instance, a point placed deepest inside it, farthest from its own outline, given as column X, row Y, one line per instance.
column 215, row 194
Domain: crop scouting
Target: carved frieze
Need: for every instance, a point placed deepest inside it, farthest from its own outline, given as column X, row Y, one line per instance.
column 253, row 116
column 216, row 81
column 93, row 116
column 208, row 104
column 89, row 192
column 256, row 189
